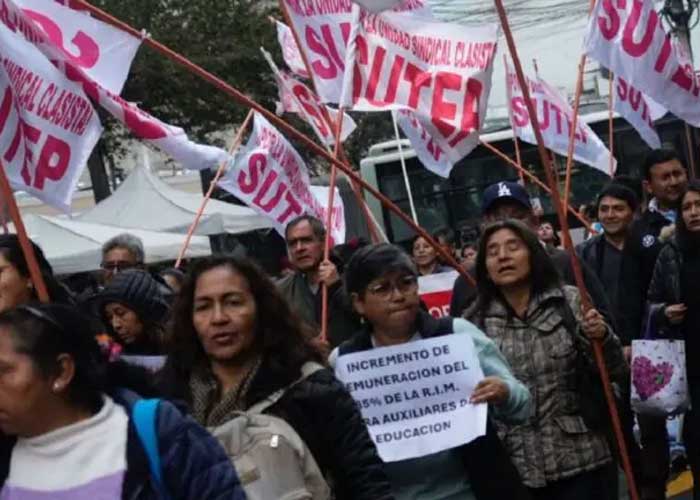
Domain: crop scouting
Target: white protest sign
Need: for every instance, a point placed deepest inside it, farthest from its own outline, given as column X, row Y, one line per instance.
column 555, row 118
column 628, row 38
column 428, row 151
column 440, row 71
column 105, row 53
column 48, row 126
column 639, row 110
column 290, row 50
column 172, row 140
column 151, row 363
column 270, row 177
column 323, row 27
column 435, row 291
column 414, row 397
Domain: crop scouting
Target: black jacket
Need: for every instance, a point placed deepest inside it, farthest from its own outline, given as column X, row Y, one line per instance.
column 325, row 416
column 642, row 248
column 194, row 466
column 491, row 473
column 463, row 293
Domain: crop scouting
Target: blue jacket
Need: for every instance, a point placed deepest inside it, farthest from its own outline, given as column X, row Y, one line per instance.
column 194, row 466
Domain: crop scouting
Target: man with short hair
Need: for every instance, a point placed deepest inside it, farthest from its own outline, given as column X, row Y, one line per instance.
column 665, row 178
column 305, row 237
column 616, row 207
column 124, row 251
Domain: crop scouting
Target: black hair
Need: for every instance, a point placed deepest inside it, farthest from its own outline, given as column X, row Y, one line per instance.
column 620, row 192
column 317, row 226
column 284, row 340
column 687, row 241
column 11, row 249
column 543, row 274
column 45, row 331
column 372, row 262
column 656, row 156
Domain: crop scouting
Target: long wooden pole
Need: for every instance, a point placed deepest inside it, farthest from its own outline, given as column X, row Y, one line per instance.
column 568, row 244
column 27, row 248
column 404, row 170
column 572, row 132
column 212, row 185
column 611, row 130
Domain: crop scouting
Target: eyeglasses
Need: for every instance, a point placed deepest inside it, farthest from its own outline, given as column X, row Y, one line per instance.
column 116, row 266
column 403, row 285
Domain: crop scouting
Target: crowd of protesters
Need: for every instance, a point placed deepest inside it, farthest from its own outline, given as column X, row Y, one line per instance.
column 213, row 383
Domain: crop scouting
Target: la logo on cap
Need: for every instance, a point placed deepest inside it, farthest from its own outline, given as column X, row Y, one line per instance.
column 503, row 190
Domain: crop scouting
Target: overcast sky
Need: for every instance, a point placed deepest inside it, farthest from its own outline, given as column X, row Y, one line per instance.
column 550, row 30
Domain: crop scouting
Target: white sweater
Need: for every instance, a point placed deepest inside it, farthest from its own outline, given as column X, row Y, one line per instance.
column 83, row 461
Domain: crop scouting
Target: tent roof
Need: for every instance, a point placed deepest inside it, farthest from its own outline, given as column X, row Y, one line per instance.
column 73, row 247
column 144, row 201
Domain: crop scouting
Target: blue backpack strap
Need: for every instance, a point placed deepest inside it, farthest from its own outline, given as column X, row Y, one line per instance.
column 145, row 414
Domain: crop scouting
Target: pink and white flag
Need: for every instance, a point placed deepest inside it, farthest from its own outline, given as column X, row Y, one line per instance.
column 629, row 39
column 270, row 177
column 435, row 291
column 555, row 118
column 324, row 28
column 639, row 110
column 290, row 50
column 48, row 127
column 172, row 140
column 427, row 149
column 440, row 71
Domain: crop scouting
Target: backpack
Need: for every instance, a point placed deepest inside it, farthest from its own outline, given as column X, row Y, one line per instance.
column 271, row 460
column 144, row 416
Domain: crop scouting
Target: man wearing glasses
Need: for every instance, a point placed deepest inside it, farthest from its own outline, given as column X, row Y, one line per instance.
column 124, row 251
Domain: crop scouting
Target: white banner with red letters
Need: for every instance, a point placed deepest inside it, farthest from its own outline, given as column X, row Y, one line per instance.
column 270, row 176
column 48, row 126
column 172, row 140
column 628, row 38
column 555, row 118
column 440, row 71
column 323, row 28
column 427, row 149
column 290, row 50
column 105, row 53
column 435, row 291
column 639, row 110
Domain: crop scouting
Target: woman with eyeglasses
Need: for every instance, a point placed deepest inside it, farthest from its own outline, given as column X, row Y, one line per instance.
column 238, row 347
column 382, row 283
column 540, row 327
column 70, row 424
column 16, row 285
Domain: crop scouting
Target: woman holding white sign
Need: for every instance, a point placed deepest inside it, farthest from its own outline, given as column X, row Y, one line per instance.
column 382, row 282
column 561, row 450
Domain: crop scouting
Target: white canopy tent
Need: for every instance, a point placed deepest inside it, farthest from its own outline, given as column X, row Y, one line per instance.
column 143, row 201
column 73, row 247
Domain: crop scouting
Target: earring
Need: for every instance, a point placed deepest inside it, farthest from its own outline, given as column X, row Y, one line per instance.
column 56, row 387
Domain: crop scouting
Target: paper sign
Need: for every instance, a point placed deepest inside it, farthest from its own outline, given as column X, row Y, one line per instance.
column 628, row 38
column 435, row 291
column 440, row 71
column 414, row 397
column 151, row 363
column 555, row 118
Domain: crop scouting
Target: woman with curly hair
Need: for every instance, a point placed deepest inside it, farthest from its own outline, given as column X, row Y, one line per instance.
column 236, row 343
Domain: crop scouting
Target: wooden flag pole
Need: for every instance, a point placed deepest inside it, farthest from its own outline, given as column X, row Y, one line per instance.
column 611, row 131
column 27, row 248
column 246, row 101
column 212, row 185
column 568, row 244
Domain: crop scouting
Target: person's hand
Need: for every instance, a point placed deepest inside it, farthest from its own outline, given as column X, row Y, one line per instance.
column 322, row 346
column 328, row 273
column 594, row 326
column 675, row 313
column 491, row 390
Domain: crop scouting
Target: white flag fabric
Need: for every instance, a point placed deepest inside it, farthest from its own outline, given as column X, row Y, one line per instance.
column 555, row 118
column 628, row 38
column 440, row 71
column 270, row 177
column 48, row 127
column 377, row 6
column 323, row 29
column 428, row 151
column 290, row 50
column 172, row 140
column 639, row 110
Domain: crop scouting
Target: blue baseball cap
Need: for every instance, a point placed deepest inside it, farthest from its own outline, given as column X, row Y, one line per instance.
column 506, row 190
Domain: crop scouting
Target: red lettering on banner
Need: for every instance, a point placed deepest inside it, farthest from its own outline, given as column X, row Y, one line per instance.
column 256, row 164
column 521, row 116
column 31, row 135
column 5, row 107
column 418, row 79
column 53, row 161
column 442, row 110
column 609, row 27
column 293, row 208
column 328, row 63
column 269, row 205
column 637, row 49
column 310, row 105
